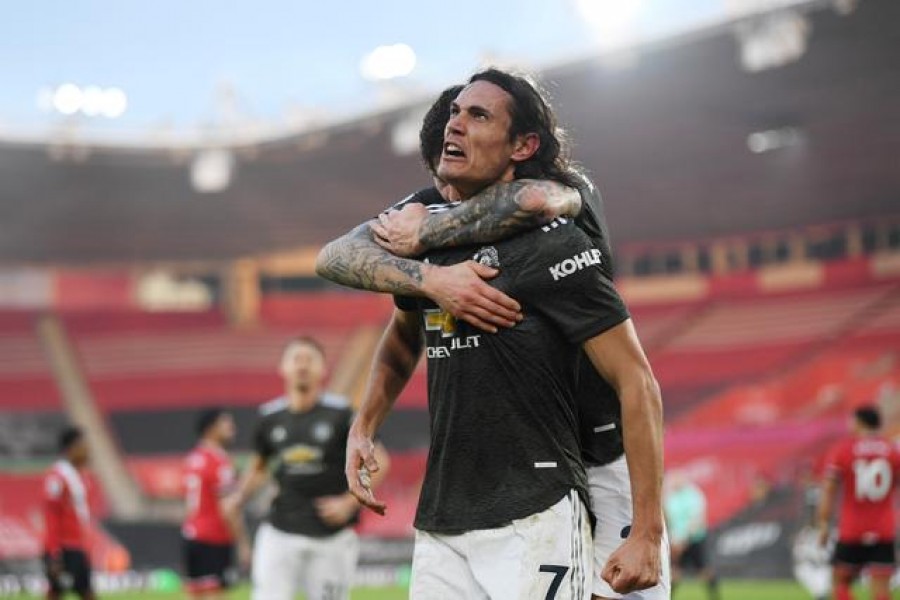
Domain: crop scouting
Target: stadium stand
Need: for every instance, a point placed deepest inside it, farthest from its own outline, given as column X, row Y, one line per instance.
column 25, row 380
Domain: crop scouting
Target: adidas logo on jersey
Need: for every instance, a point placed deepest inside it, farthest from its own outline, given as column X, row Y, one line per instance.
column 576, row 263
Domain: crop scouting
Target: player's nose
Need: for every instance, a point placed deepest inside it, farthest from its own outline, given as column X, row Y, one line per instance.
column 455, row 126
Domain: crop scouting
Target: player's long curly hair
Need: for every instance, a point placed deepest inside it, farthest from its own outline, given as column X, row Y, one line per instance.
column 530, row 112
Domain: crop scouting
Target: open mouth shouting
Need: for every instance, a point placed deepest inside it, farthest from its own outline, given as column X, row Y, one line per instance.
column 453, row 151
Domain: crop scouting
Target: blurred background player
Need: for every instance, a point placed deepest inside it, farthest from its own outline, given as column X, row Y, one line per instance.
column 685, row 505
column 812, row 561
column 66, row 519
column 210, row 530
column 308, row 541
column 865, row 466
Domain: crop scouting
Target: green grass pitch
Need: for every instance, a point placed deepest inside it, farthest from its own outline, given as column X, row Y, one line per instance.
column 731, row 590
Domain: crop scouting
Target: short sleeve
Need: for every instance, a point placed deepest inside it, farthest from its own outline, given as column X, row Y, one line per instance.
column 565, row 280
column 834, row 462
column 406, row 303
column 53, row 488
column 592, row 221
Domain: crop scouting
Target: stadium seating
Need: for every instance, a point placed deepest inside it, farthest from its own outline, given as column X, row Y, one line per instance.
column 26, row 383
column 154, row 361
column 733, row 341
column 806, row 360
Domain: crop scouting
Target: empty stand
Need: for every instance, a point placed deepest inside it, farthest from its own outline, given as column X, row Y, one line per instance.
column 26, row 383
column 788, row 319
column 159, row 360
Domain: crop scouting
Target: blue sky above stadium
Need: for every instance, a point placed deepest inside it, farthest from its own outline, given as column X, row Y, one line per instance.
column 284, row 58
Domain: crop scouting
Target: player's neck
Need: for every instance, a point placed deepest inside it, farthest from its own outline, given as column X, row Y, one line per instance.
column 212, row 443
column 302, row 400
column 76, row 464
column 464, row 192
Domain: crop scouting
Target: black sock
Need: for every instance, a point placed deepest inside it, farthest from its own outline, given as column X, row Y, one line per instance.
column 713, row 586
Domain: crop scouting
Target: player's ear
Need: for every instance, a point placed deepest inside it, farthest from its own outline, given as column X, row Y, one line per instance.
column 525, row 146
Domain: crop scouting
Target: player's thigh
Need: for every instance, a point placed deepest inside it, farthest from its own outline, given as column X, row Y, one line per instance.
column 53, row 580
column 331, row 566
column 216, row 565
column 545, row 556
column 277, row 564
column 440, row 570
column 78, row 566
column 611, row 502
column 610, row 492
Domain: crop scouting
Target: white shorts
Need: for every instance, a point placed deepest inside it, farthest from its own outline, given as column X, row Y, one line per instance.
column 546, row 555
column 284, row 563
column 610, row 488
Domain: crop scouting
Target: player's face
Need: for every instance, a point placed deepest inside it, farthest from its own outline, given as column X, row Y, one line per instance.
column 302, row 367
column 226, row 430
column 79, row 453
column 477, row 149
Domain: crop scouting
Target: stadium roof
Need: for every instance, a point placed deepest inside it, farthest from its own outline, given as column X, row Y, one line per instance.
column 666, row 138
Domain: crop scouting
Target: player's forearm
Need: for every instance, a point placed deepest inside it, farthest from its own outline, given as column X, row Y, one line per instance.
column 498, row 212
column 235, row 521
column 252, row 480
column 826, row 503
column 642, row 425
column 618, row 357
column 395, row 361
column 356, row 261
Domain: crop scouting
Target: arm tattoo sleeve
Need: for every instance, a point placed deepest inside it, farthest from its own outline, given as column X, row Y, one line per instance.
column 500, row 211
column 356, row 261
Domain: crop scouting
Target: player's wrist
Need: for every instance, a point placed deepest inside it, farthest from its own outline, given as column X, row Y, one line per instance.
column 362, row 429
column 647, row 531
column 424, row 234
column 428, row 284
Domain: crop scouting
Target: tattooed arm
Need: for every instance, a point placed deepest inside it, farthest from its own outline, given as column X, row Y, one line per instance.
column 493, row 214
column 355, row 260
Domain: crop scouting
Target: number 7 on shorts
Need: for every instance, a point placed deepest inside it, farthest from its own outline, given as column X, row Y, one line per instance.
column 559, row 572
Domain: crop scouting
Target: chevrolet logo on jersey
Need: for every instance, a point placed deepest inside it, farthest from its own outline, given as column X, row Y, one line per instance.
column 301, row 453
column 438, row 320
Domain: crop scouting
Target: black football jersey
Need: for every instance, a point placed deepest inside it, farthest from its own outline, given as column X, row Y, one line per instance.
column 504, row 420
column 599, row 410
column 308, row 451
